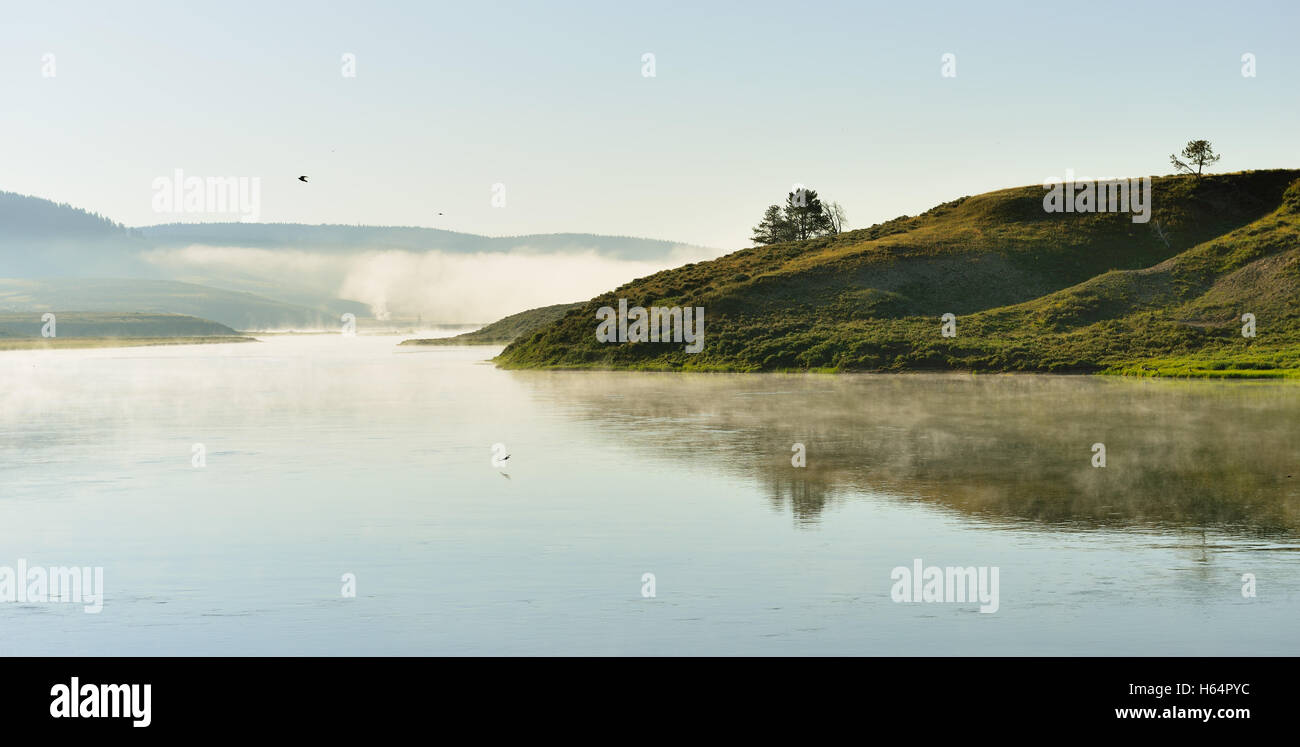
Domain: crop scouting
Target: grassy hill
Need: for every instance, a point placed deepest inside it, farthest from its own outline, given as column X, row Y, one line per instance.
column 504, row 330
column 80, row 324
column 1032, row 291
column 236, row 309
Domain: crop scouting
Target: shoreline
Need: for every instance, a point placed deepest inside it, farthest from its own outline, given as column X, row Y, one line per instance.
column 1120, row 372
column 432, row 341
column 74, row 343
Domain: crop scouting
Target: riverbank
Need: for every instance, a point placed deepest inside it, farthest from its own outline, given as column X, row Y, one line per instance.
column 68, row 343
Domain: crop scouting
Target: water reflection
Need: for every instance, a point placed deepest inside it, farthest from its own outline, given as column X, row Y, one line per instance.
column 1008, row 449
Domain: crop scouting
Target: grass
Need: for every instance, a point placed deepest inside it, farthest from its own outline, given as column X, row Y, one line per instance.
column 1275, row 365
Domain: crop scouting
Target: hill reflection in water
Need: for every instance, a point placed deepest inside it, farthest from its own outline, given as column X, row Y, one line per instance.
column 1180, row 454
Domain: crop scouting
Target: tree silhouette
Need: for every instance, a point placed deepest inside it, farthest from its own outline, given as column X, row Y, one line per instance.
column 773, row 229
column 1199, row 153
column 803, row 216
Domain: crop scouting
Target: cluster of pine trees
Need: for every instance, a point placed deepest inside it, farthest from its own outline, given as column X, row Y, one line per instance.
column 22, row 215
column 803, row 216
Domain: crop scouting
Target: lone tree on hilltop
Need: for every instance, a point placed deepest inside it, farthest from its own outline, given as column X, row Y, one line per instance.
column 1199, row 153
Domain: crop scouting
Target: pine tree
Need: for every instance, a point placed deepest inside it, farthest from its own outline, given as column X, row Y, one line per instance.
column 805, row 214
column 773, row 229
column 1199, row 153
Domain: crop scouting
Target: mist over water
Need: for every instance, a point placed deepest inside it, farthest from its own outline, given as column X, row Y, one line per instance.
column 447, row 287
column 329, row 455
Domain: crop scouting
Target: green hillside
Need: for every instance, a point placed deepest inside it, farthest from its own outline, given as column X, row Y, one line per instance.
column 80, row 324
column 235, row 309
column 506, row 329
column 1031, row 290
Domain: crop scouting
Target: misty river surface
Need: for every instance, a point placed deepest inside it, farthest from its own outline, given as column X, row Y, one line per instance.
column 329, row 455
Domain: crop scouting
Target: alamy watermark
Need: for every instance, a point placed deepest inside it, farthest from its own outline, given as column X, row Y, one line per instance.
column 128, row 701
column 38, row 585
column 953, row 584
column 1109, row 195
column 656, row 324
column 239, row 196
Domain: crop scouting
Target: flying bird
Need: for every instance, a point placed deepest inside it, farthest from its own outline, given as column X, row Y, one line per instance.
column 302, row 178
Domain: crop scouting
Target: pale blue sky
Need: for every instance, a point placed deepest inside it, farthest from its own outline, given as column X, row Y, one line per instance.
column 548, row 98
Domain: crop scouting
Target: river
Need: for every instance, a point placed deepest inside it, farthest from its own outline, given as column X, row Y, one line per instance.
column 236, row 495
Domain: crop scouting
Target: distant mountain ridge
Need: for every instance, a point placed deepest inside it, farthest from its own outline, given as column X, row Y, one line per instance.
column 28, row 218
column 404, row 238
column 293, row 275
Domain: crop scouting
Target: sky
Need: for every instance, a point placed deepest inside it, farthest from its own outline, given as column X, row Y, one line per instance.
column 550, row 100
